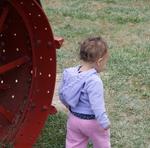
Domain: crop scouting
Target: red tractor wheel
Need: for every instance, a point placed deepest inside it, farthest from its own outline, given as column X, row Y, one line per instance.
column 27, row 71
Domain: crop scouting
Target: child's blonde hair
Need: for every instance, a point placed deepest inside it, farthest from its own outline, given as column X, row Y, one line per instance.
column 92, row 49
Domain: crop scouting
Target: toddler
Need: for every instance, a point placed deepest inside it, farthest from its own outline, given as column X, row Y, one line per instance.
column 82, row 92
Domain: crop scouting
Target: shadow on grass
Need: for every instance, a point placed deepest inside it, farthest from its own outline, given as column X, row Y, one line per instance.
column 53, row 135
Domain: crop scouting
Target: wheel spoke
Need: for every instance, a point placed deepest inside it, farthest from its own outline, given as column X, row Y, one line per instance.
column 14, row 64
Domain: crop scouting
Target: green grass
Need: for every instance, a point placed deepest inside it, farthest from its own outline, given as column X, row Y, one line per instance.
column 53, row 135
column 125, row 24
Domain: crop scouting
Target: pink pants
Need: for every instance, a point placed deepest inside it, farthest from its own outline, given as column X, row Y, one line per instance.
column 80, row 131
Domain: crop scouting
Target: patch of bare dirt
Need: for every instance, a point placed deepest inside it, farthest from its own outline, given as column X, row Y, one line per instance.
column 56, row 102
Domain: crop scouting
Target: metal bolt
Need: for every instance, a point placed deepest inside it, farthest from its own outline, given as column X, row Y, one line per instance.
column 38, row 41
column 31, row 72
column 35, row 27
column 44, row 108
column 13, row 96
column 49, row 44
column 17, row 49
column 48, row 92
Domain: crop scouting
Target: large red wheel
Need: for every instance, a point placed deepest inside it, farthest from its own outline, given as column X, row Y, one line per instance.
column 27, row 71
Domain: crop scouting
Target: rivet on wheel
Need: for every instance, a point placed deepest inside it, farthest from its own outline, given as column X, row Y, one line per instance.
column 48, row 92
column 49, row 44
column 17, row 49
column 35, row 27
column 39, row 41
column 31, row 71
column 2, row 81
column 13, row 96
column 44, row 108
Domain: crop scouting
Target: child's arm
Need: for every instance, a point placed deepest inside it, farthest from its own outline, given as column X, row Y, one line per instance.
column 96, row 97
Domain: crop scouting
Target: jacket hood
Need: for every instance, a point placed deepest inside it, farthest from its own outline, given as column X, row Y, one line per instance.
column 72, row 84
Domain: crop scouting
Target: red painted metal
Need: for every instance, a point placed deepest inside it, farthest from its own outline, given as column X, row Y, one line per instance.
column 58, row 41
column 27, row 71
column 7, row 114
column 3, row 16
column 13, row 64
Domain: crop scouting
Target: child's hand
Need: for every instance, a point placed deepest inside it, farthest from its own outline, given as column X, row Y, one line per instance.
column 106, row 128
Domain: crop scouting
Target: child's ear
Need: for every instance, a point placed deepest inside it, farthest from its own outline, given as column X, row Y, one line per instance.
column 100, row 59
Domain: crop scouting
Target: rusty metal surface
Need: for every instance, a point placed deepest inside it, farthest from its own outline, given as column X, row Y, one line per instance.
column 27, row 71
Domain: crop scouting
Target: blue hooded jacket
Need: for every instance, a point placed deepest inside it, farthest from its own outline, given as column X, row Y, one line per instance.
column 83, row 93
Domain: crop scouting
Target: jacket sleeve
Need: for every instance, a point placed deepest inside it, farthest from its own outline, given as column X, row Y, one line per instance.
column 96, row 98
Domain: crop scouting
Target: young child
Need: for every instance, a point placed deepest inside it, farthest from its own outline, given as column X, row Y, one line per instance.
column 82, row 92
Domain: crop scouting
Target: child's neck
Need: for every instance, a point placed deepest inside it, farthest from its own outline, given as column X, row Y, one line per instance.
column 86, row 66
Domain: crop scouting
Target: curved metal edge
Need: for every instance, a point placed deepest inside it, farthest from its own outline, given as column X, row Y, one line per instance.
column 35, row 112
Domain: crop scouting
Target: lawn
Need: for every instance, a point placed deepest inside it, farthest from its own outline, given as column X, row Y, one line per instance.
column 125, row 25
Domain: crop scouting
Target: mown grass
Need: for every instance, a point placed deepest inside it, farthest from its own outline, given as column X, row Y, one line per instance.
column 125, row 26
column 53, row 135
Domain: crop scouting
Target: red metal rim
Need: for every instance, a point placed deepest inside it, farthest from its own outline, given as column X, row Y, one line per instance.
column 31, row 55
